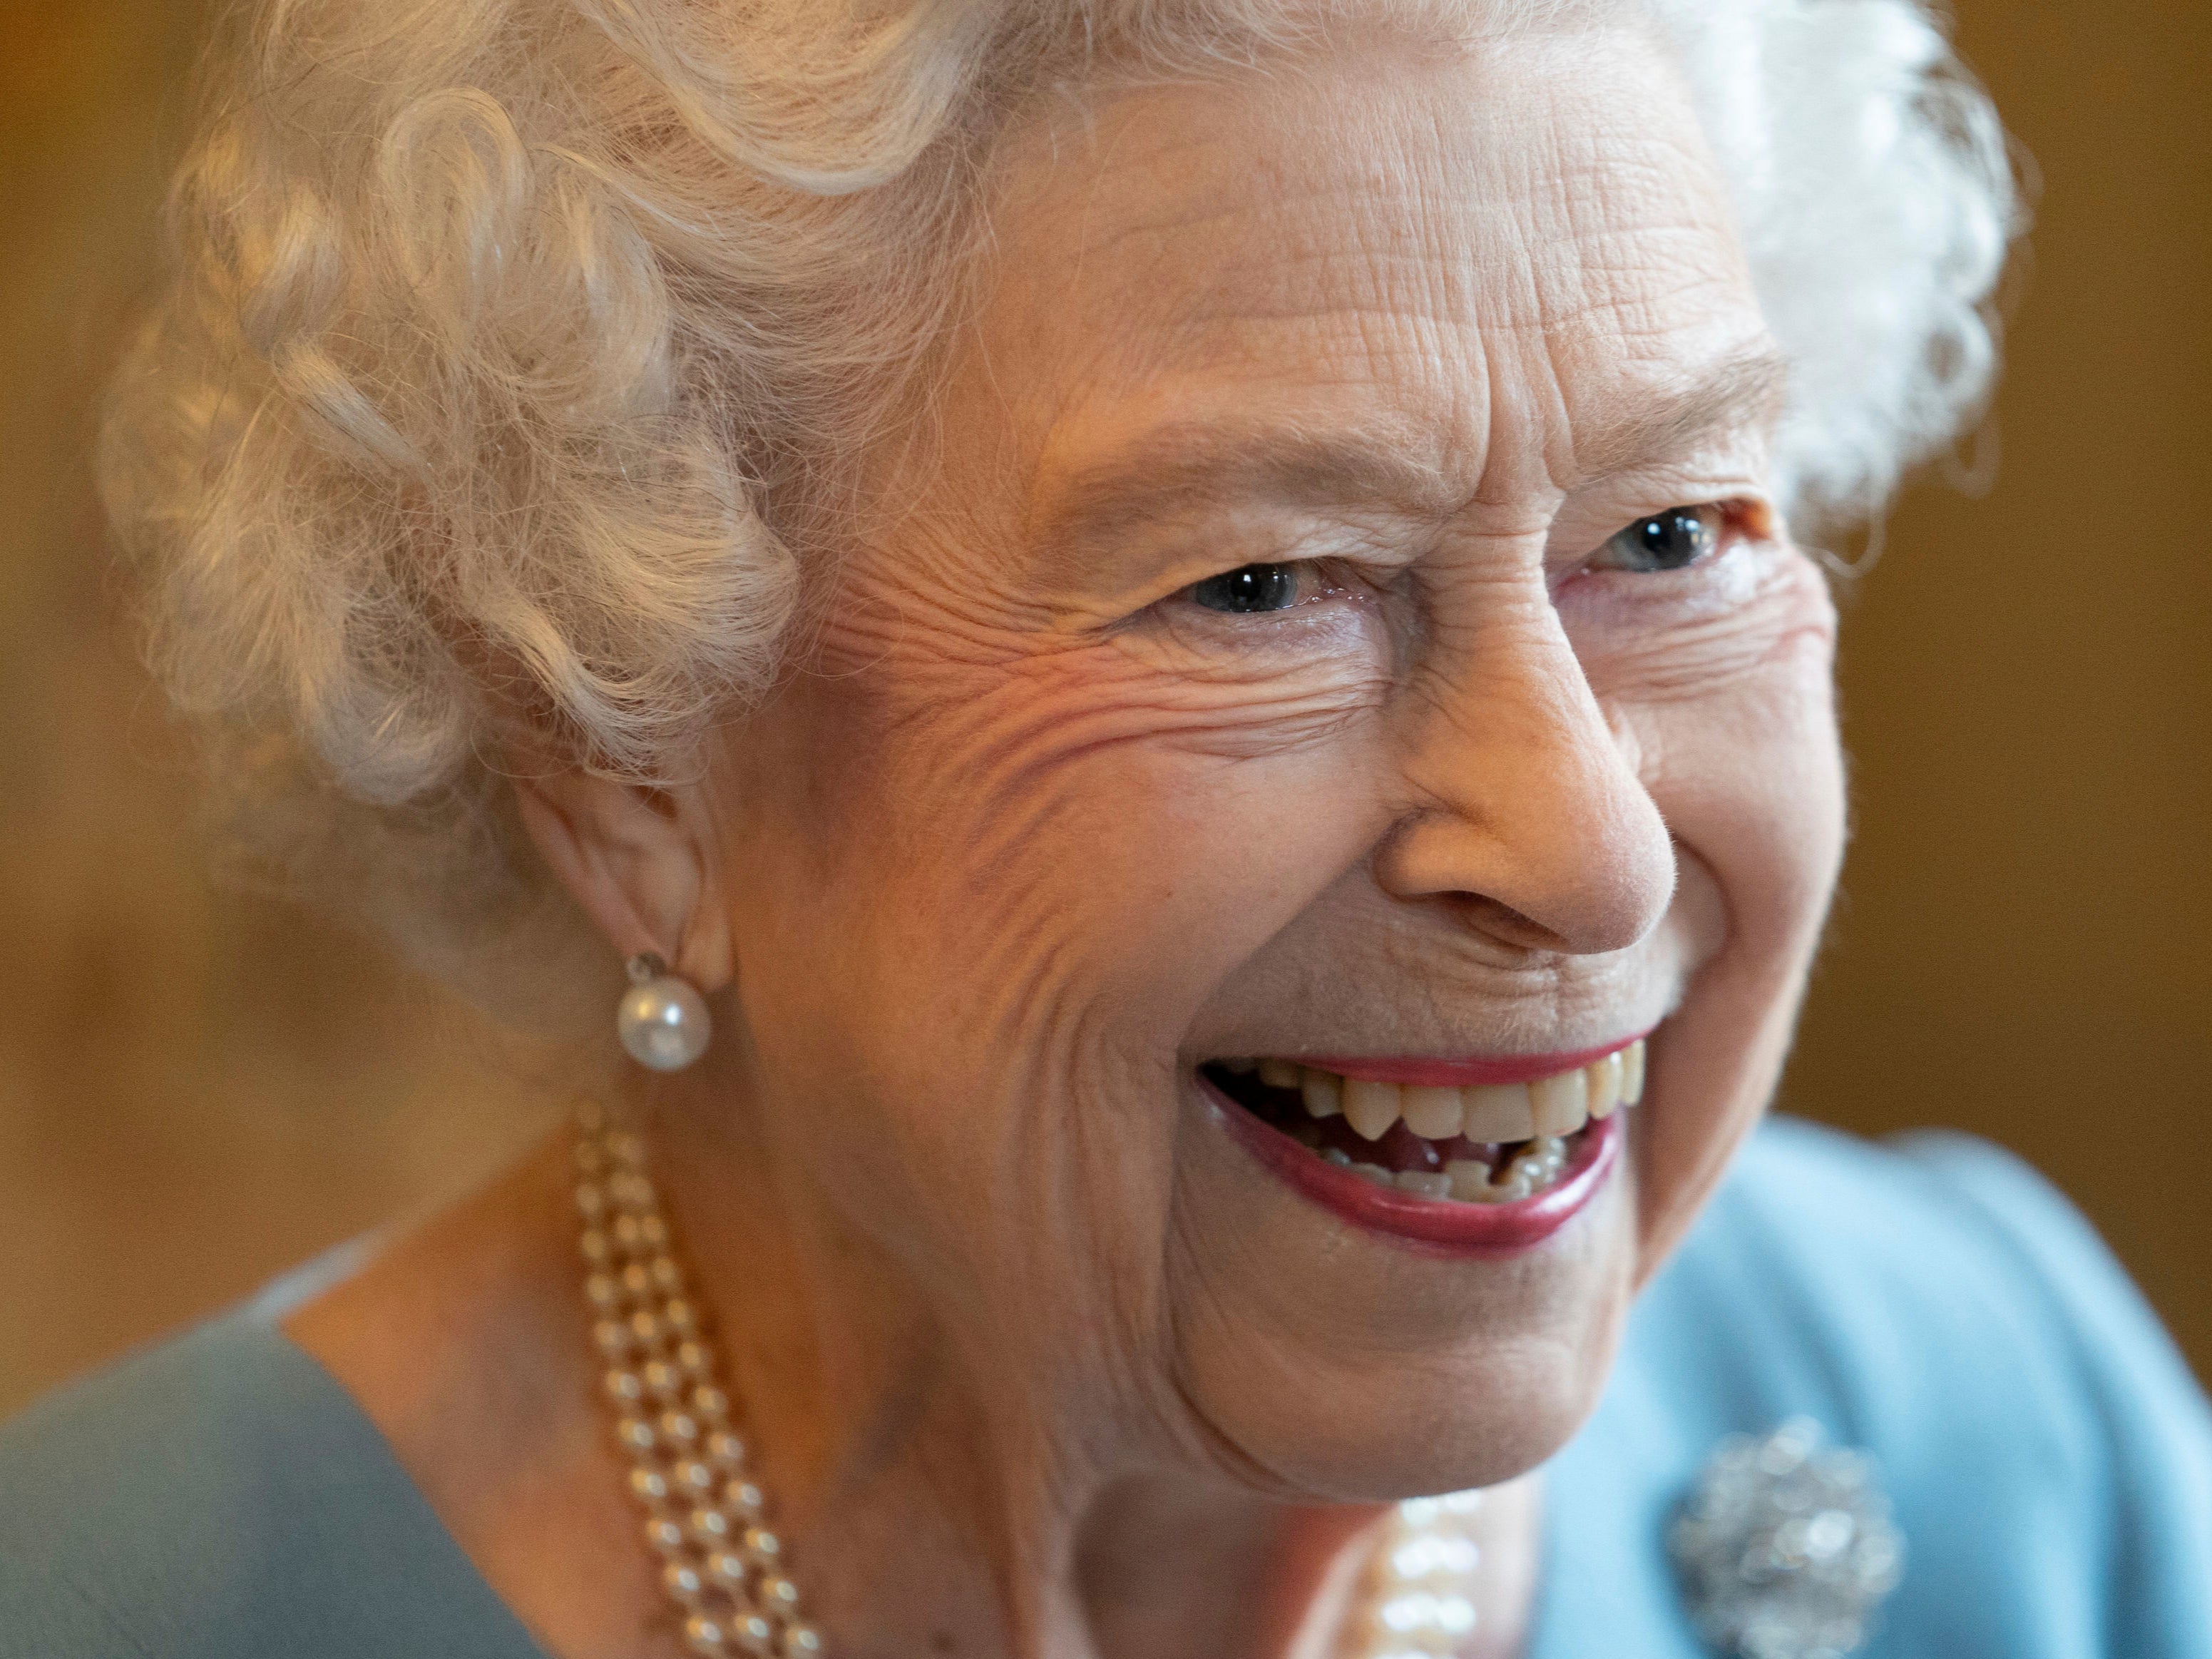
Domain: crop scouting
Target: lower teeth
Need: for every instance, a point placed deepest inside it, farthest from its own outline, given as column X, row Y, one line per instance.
column 1536, row 1166
column 1455, row 1170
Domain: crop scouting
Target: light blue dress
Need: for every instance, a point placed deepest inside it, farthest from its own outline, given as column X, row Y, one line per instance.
column 1932, row 1302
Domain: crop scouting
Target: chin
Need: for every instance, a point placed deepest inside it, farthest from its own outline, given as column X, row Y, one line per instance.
column 1340, row 1339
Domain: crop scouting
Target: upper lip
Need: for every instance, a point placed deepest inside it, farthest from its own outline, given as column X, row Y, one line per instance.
column 1461, row 1071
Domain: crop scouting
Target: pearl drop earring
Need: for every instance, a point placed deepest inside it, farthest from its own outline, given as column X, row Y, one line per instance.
column 663, row 1020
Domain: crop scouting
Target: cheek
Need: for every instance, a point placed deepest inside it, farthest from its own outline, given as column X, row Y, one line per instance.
column 1090, row 820
column 1000, row 886
column 1737, row 726
column 1733, row 713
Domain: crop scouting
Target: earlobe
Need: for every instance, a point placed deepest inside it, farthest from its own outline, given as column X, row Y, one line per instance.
column 636, row 862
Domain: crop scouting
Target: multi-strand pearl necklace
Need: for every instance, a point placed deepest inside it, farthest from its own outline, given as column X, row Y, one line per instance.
column 1418, row 1601
column 707, row 1519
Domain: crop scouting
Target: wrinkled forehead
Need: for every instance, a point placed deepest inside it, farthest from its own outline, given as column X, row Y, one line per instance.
column 1462, row 250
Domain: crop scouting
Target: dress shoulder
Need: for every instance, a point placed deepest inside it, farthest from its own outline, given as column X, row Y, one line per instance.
column 221, row 1496
column 1934, row 1301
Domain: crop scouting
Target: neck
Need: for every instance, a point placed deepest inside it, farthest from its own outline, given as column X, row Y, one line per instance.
column 934, row 1505
column 1165, row 1569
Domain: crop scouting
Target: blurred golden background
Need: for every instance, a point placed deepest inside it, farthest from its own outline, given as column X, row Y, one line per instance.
column 198, row 1089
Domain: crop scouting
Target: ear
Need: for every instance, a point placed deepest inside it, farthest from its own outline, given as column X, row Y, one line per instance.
column 641, row 863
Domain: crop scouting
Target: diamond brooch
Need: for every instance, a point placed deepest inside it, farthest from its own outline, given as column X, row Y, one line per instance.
column 1785, row 1548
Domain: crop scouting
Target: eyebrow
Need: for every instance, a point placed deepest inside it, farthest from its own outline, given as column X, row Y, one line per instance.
column 1179, row 466
column 1745, row 391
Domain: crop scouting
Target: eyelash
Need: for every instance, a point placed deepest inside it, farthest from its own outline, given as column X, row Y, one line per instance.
column 1244, row 591
column 1679, row 538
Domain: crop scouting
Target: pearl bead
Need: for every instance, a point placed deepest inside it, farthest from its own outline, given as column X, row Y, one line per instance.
column 703, row 1635
column 664, row 1024
column 744, row 1498
column 709, row 1525
column 801, row 1642
column 762, row 1546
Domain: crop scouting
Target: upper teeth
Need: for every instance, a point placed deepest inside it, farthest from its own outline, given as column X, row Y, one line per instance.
column 1555, row 1106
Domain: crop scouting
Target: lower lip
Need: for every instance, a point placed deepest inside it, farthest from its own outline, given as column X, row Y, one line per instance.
column 1441, row 1224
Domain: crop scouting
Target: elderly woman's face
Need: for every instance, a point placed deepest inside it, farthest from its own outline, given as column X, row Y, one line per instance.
column 1342, row 619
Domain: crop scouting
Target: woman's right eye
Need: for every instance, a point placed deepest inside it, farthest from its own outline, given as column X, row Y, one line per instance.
column 1253, row 588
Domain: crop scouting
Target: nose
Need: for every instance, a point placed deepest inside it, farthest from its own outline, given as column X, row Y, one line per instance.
column 1527, row 814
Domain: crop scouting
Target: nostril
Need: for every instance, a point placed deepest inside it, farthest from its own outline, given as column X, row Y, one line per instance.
column 1506, row 924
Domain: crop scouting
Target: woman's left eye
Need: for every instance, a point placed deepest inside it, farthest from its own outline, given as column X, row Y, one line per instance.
column 1251, row 589
column 1672, row 540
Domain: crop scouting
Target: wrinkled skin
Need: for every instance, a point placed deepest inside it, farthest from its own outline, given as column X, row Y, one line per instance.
column 1042, row 1361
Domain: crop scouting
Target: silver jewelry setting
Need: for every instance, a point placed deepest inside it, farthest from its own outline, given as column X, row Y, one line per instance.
column 1785, row 1548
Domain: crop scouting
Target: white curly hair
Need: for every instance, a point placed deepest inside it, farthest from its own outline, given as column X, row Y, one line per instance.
column 509, row 350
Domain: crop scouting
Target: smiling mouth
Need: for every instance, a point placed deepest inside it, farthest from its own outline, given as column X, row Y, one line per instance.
column 1475, row 1151
column 1479, row 1143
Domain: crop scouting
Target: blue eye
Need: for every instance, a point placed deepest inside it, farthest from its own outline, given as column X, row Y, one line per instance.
column 1248, row 588
column 1672, row 540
